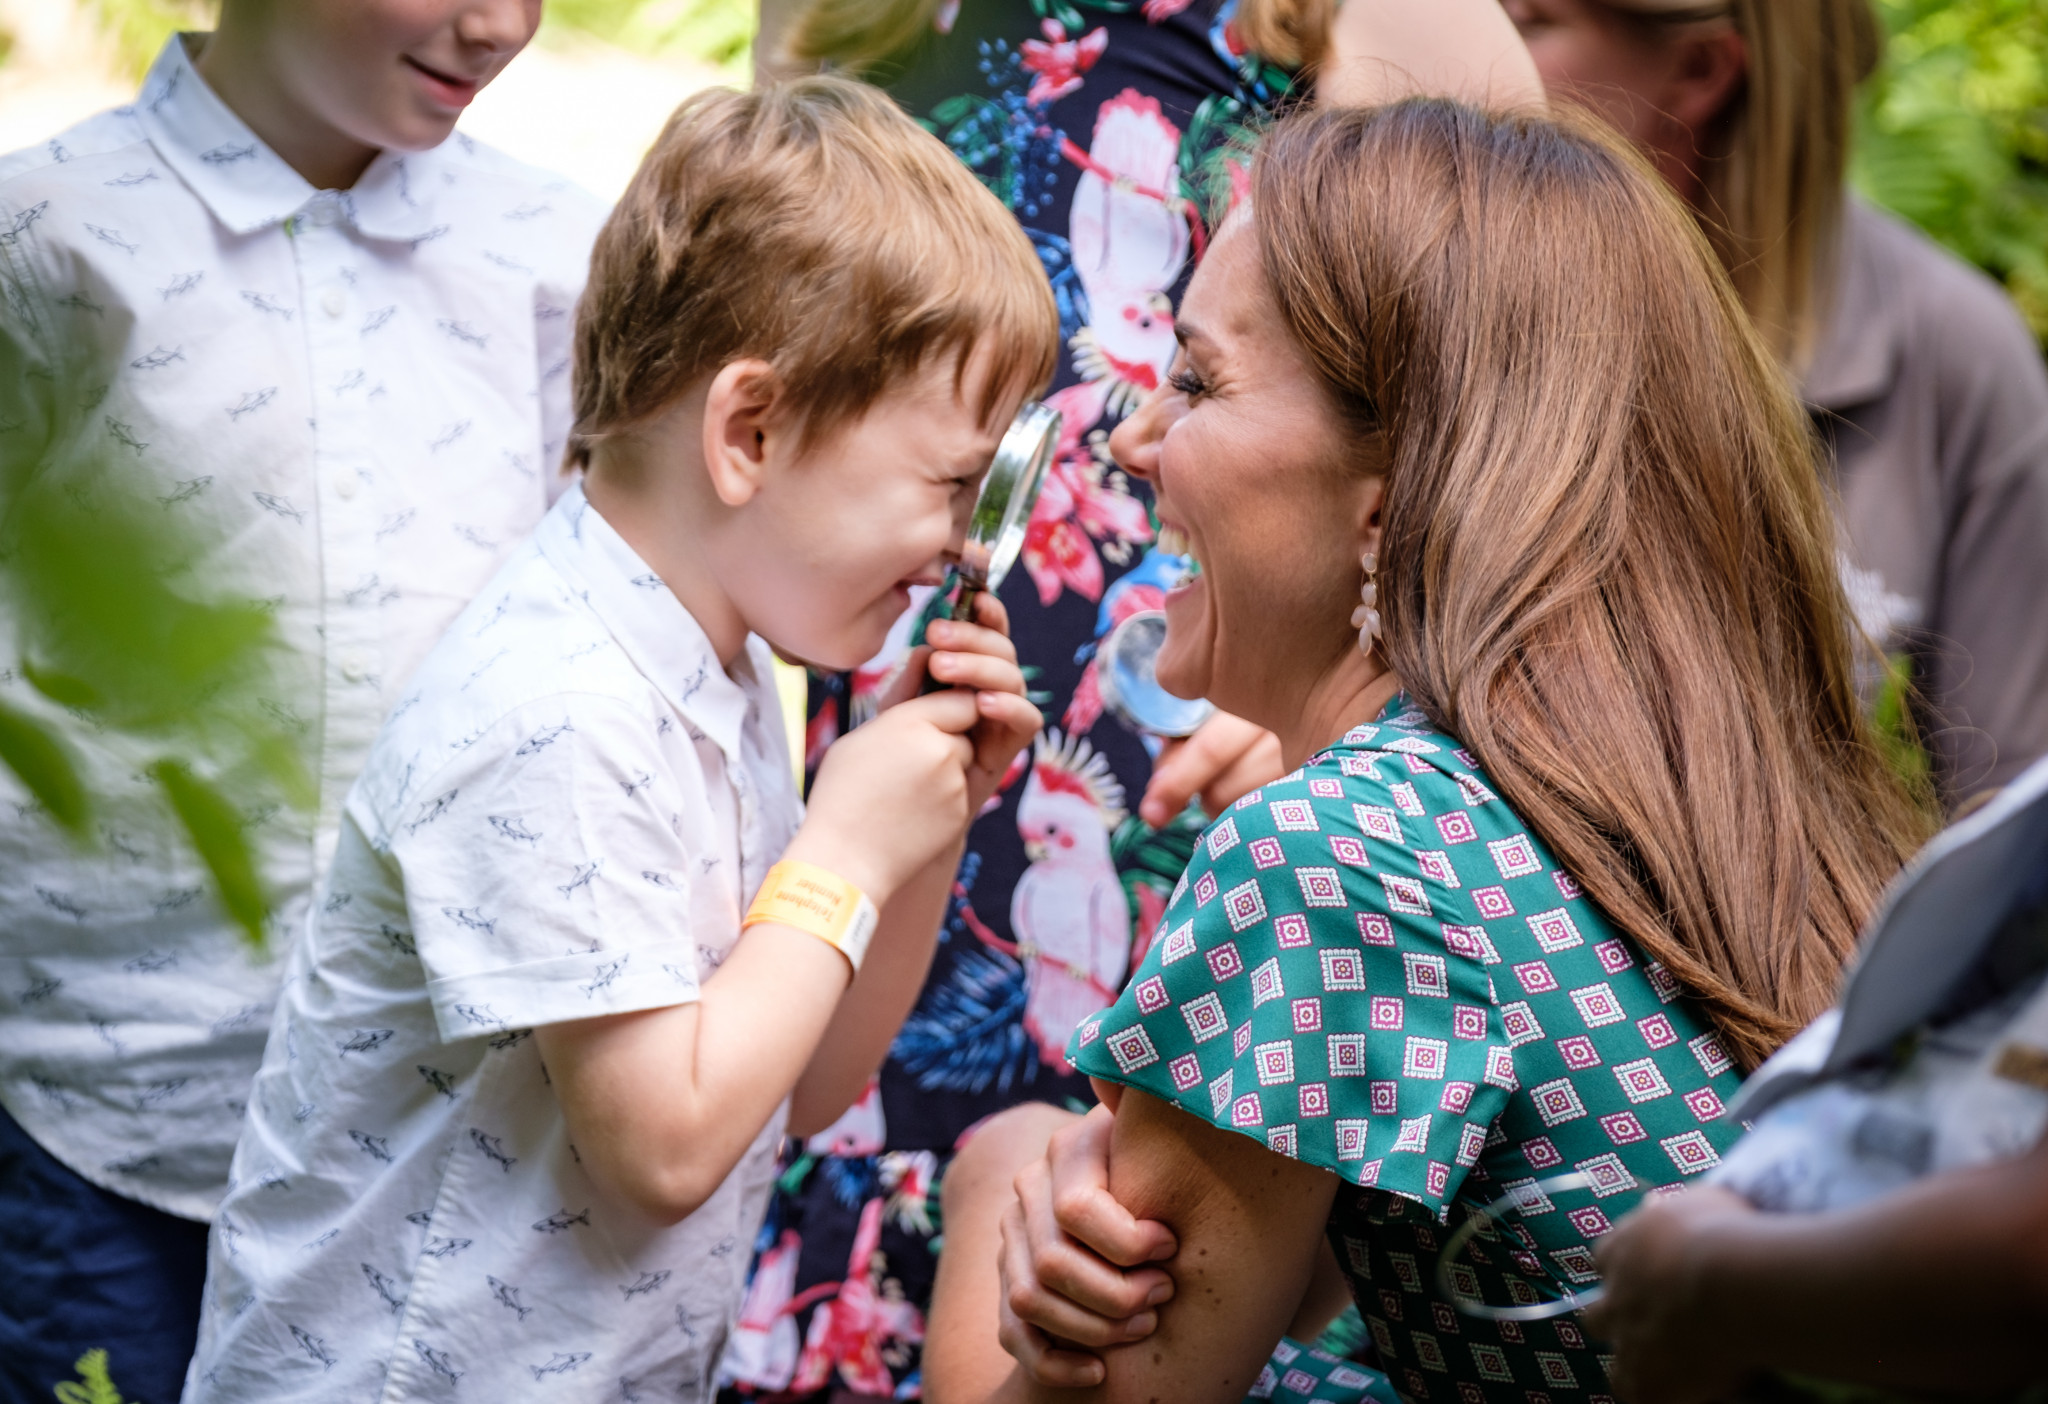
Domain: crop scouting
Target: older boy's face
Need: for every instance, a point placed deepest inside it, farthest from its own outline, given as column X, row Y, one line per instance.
column 396, row 73
column 876, row 507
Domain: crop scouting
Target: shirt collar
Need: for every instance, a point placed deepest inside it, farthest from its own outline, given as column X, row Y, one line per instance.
column 1857, row 357
column 248, row 186
column 661, row 637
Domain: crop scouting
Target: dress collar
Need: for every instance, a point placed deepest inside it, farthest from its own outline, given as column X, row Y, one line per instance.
column 249, row 187
column 661, row 637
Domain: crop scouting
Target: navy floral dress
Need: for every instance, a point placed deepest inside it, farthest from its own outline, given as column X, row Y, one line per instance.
column 1112, row 129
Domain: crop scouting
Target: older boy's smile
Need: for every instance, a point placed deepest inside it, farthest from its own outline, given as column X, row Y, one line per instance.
column 444, row 88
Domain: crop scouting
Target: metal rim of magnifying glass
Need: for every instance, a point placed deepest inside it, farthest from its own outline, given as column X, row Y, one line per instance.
column 995, row 532
column 1114, row 698
column 1490, row 1214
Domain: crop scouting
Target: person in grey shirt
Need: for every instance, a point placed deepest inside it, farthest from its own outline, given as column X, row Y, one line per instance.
column 1924, row 384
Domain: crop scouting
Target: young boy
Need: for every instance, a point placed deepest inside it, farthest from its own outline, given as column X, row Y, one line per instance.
column 333, row 340
column 516, row 1123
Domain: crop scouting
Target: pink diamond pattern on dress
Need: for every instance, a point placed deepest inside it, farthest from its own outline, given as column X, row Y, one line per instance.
column 1598, row 1006
column 1424, row 1057
column 1090, row 1031
column 1471, row 1142
column 1541, row 1153
column 1342, row 970
column 1323, row 787
column 1374, row 929
column 1313, row 1099
column 1351, row 1132
column 1457, row 1098
column 1219, row 1091
column 1471, row 789
column 1535, row 976
column 1556, row 1370
column 1609, row 1175
column 1246, row 801
column 1293, row 816
column 1436, row 865
column 1291, row 931
column 1274, row 1062
column 1641, row 1080
column 1267, row 853
column 1704, row 1103
column 1456, row 827
column 1358, row 765
column 1471, row 942
column 1555, row 931
column 1378, row 822
column 1493, row 902
column 1414, row 1133
column 1224, row 962
column 1657, row 1031
column 1622, row 1128
column 1245, row 1111
column 1578, row 1052
column 1241, row 1040
column 1348, row 850
column 1299, row 1382
column 1405, row 798
column 1405, row 894
column 1320, row 887
column 1386, row 1098
column 1614, row 956
column 1520, row 1022
column 1513, row 857
column 1662, row 981
column 1567, row 885
column 1713, row 1057
column 1205, row 1017
column 1266, row 982
column 1427, row 975
column 1435, row 1180
column 1347, row 1055
column 1186, row 1071
column 1221, row 838
column 1557, row 1101
column 1468, row 1021
column 1205, row 889
column 1151, row 995
column 1244, row 905
column 1308, row 1015
column 1691, row 1152
column 1132, row 1048
column 1387, row 1011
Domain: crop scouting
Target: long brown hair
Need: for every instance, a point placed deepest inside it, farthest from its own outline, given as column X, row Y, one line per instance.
column 1607, row 560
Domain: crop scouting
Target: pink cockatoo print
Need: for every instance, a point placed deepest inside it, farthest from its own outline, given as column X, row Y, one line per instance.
column 865, row 1327
column 764, row 1344
column 1068, row 912
column 1130, row 239
column 1085, row 499
column 860, row 1130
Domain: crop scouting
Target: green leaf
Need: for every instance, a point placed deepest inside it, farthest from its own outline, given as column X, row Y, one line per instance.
column 215, row 829
column 38, row 757
column 93, row 1385
column 61, row 688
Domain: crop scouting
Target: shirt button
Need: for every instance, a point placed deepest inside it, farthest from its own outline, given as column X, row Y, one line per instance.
column 346, row 486
column 355, row 667
column 332, row 302
column 323, row 213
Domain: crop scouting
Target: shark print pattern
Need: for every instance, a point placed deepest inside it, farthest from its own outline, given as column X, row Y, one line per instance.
column 531, row 841
column 271, row 362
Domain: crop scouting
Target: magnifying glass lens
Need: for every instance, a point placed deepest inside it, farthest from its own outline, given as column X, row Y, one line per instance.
column 1002, row 510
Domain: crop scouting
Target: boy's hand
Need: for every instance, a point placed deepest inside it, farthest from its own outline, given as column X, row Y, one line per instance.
column 979, row 656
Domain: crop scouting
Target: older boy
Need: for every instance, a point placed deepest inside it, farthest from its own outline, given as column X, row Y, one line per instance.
column 517, row 1119
column 335, row 342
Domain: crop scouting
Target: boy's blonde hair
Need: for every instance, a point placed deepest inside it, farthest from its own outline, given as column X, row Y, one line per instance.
column 816, row 227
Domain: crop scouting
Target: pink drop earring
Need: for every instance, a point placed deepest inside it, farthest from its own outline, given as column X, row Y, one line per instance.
column 1366, row 618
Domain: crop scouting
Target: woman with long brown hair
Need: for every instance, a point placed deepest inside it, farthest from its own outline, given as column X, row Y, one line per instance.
column 1584, row 816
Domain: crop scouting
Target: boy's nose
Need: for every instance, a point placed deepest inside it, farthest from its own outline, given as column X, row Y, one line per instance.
column 500, row 26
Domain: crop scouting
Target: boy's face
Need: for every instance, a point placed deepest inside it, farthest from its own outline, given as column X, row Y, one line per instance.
column 846, row 527
column 394, row 73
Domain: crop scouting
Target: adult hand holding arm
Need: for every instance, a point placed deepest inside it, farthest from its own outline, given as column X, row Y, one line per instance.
column 1225, row 758
column 1384, row 50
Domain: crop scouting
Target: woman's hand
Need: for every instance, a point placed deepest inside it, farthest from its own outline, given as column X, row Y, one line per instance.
column 1225, row 758
column 1072, row 1261
column 1670, row 1346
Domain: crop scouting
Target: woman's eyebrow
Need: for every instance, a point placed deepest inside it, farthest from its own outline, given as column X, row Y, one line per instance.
column 1185, row 331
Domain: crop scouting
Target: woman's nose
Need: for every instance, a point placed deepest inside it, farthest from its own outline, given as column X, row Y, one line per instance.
column 1134, row 443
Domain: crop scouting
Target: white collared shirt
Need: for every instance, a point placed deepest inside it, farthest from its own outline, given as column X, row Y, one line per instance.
column 564, row 818
column 359, row 400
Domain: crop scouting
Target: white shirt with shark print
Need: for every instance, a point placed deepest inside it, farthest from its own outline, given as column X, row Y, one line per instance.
column 355, row 401
column 564, row 817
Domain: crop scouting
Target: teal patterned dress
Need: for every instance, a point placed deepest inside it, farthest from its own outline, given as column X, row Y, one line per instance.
column 1372, row 965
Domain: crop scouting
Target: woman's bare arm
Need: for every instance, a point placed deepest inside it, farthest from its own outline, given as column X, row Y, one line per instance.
column 1249, row 1224
column 1385, row 50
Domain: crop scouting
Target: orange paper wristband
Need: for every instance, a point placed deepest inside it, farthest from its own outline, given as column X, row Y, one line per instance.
column 814, row 900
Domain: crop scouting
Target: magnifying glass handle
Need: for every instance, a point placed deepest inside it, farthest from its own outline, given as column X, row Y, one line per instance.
column 963, row 608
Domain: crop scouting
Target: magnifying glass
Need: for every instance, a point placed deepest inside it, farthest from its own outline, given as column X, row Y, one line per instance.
column 1490, row 1214
column 995, row 532
column 1127, row 675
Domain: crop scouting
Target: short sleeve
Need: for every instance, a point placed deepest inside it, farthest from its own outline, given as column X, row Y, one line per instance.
column 1309, row 989
column 545, row 881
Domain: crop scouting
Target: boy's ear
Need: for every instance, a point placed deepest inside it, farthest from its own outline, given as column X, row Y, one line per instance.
column 738, row 410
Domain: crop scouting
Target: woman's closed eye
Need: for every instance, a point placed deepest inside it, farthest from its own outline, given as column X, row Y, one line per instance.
column 1187, row 382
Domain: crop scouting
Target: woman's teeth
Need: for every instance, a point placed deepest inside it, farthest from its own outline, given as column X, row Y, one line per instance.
column 1174, row 542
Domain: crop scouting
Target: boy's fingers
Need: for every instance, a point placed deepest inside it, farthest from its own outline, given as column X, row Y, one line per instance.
column 978, row 671
column 1013, row 721
column 970, row 638
column 990, row 613
column 952, row 710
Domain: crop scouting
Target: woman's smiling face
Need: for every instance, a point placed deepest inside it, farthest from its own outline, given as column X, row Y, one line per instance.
column 1258, row 477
